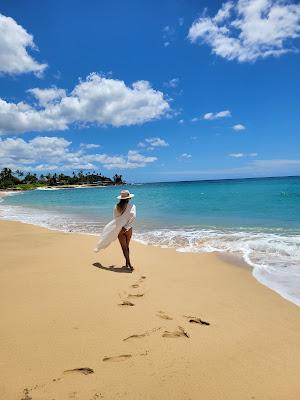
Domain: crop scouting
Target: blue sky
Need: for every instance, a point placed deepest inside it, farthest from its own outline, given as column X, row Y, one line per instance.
column 157, row 91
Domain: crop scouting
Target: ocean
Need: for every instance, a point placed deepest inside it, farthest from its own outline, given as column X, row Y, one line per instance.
column 256, row 219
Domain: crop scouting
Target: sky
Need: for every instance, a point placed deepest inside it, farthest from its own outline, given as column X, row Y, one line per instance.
column 154, row 90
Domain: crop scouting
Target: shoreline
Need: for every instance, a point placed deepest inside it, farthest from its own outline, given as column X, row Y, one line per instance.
column 233, row 257
column 61, row 311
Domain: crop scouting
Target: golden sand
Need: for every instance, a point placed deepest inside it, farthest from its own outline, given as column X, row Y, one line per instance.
column 77, row 325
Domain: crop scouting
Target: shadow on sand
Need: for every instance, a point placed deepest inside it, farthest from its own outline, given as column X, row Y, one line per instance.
column 113, row 268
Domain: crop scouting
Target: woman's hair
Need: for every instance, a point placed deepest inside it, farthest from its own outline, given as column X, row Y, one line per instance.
column 122, row 205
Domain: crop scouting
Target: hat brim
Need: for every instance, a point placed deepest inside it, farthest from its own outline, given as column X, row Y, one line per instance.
column 127, row 197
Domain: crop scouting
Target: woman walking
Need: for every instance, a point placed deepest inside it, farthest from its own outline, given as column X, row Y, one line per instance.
column 120, row 227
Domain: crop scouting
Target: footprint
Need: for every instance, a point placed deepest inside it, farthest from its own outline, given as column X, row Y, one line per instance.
column 163, row 315
column 136, row 295
column 136, row 336
column 97, row 396
column 84, row 371
column 196, row 320
column 142, row 335
column 126, row 303
column 180, row 333
column 26, row 392
column 135, row 285
column 122, row 357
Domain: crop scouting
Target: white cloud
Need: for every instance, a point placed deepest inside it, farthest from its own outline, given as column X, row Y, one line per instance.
column 172, row 83
column 168, row 35
column 239, row 155
column 14, row 42
column 239, row 127
column 236, row 155
column 49, row 96
column 196, row 119
column 181, row 121
column 221, row 114
column 156, row 142
column 95, row 100
column 89, row 146
column 185, row 156
column 152, row 143
column 246, row 30
column 49, row 153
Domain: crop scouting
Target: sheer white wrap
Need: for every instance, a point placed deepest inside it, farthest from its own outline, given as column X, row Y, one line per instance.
column 112, row 229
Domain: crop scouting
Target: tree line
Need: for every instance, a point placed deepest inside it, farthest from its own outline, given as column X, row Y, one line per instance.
column 18, row 179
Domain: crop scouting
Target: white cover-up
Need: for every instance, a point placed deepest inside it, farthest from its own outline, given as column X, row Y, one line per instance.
column 112, row 229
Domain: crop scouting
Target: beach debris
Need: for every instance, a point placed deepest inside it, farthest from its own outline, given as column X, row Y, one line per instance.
column 135, row 285
column 121, row 357
column 196, row 320
column 175, row 334
column 84, row 371
column 126, row 303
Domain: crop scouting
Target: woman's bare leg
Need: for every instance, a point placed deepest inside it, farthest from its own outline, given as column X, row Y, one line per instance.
column 128, row 235
column 123, row 242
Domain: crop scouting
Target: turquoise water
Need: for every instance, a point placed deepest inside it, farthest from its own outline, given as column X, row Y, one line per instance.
column 258, row 219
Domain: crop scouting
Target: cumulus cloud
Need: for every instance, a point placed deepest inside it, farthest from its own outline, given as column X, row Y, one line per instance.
column 95, row 100
column 246, row 30
column 49, row 153
column 221, row 114
column 45, row 97
column 239, row 127
column 14, row 43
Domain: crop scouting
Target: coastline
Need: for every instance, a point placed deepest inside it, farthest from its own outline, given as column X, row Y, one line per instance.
column 61, row 312
column 236, row 246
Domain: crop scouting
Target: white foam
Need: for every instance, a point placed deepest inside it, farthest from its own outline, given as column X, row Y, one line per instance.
column 275, row 257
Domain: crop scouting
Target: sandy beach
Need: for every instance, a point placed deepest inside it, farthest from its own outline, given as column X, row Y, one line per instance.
column 76, row 325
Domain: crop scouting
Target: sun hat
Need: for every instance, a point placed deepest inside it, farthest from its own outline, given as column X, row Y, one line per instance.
column 125, row 194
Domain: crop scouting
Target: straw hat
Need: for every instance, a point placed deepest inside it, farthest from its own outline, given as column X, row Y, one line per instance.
column 125, row 194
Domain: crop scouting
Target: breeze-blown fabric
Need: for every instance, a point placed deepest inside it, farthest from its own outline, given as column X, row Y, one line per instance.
column 112, row 229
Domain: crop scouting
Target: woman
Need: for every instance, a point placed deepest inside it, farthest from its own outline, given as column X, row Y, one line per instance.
column 120, row 227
